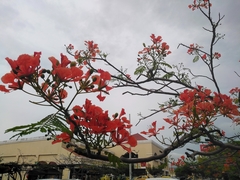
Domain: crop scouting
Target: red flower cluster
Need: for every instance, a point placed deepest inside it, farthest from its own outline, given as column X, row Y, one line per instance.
column 26, row 69
column 200, row 4
column 161, row 48
column 216, row 55
column 235, row 90
column 199, row 108
column 92, row 48
column 204, row 57
column 179, row 162
column 207, row 147
column 90, row 53
column 22, row 71
column 91, row 119
column 192, row 48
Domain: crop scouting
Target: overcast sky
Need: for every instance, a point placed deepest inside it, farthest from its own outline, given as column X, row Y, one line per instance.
column 120, row 28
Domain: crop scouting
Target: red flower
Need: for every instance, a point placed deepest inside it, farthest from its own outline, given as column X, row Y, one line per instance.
column 105, row 75
column 25, row 65
column 216, row 55
column 128, row 76
column 101, row 81
column 187, row 95
column 200, row 106
column 153, row 131
column 4, row 89
column 13, row 82
column 77, row 73
column 100, row 97
column 223, row 133
column 64, row 61
column 78, row 110
column 92, row 48
column 165, row 46
column 65, row 73
column 51, row 94
column 97, row 121
column 63, row 93
column 191, row 49
column 94, row 118
column 164, row 49
column 70, row 46
column 122, row 137
column 155, row 39
column 200, row 4
column 63, row 137
column 234, row 90
column 204, row 56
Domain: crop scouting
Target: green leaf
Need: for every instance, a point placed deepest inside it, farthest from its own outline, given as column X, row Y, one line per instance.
column 195, row 59
column 51, row 122
column 113, row 159
column 43, row 130
column 166, row 64
column 139, row 70
column 168, row 75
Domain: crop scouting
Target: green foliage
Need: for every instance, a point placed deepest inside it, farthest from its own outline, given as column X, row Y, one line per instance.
column 157, row 170
column 139, row 70
column 195, row 59
column 226, row 163
column 168, row 75
column 182, row 73
column 121, row 75
column 113, row 159
column 183, row 171
column 166, row 64
column 49, row 124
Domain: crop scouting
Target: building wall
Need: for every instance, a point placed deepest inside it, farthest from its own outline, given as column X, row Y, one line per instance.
column 145, row 148
column 30, row 150
column 33, row 150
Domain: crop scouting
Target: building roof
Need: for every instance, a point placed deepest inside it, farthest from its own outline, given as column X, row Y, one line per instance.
column 139, row 137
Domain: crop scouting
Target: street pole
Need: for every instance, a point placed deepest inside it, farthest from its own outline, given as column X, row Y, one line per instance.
column 130, row 155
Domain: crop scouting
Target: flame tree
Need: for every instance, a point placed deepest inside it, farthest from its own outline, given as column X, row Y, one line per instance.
column 194, row 108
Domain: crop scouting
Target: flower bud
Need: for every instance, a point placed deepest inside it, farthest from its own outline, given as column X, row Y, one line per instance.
column 91, row 71
column 94, row 79
column 115, row 115
column 73, row 64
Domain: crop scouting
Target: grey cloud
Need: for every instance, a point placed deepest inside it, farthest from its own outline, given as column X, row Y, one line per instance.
column 120, row 28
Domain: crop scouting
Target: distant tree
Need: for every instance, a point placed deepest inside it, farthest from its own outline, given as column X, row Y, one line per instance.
column 225, row 163
column 157, row 171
